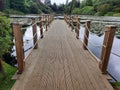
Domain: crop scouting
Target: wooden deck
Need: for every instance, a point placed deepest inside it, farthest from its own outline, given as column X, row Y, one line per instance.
column 60, row 63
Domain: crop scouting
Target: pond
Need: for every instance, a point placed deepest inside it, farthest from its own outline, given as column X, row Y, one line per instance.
column 95, row 46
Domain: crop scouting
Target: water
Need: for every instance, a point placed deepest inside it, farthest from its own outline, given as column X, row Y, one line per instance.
column 28, row 40
column 95, row 45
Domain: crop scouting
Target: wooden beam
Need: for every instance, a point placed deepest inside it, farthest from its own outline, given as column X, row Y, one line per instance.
column 106, row 49
column 41, row 27
column 86, row 34
column 19, row 46
column 46, row 21
column 35, row 34
column 77, row 27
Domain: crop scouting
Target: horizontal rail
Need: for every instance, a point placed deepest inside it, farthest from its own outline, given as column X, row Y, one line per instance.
column 17, row 28
column 107, row 44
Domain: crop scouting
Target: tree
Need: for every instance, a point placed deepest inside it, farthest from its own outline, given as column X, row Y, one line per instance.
column 1, row 5
column 34, row 8
column 89, row 3
column 17, row 4
column 66, row 2
column 74, row 4
column 5, row 38
column 54, row 7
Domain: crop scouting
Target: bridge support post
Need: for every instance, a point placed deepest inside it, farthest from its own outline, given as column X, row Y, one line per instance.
column 106, row 49
column 86, row 34
column 78, row 27
column 46, row 21
column 35, row 34
column 19, row 46
column 41, row 28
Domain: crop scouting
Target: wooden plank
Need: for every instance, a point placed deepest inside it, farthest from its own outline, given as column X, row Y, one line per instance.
column 60, row 63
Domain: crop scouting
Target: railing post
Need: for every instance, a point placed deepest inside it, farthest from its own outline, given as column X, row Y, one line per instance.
column 78, row 23
column 19, row 46
column 46, row 21
column 106, row 49
column 41, row 28
column 86, row 34
column 34, row 34
column 78, row 27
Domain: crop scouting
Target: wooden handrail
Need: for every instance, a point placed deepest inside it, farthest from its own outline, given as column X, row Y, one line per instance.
column 70, row 20
column 17, row 29
column 107, row 44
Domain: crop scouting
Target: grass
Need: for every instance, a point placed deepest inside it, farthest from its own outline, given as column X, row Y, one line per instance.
column 116, row 85
column 7, row 83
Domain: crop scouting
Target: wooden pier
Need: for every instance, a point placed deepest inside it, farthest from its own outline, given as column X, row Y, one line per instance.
column 61, row 63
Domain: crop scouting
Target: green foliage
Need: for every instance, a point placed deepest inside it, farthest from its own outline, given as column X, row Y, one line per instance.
column 17, row 4
column 88, row 10
column 7, row 83
column 116, row 85
column 116, row 14
column 12, row 11
column 89, row 2
column 104, row 8
column 5, row 35
column 109, row 14
column 26, row 7
column 2, row 5
column 76, row 11
column 34, row 8
column 7, row 4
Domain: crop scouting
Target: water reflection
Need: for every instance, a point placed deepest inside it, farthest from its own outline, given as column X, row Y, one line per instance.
column 95, row 45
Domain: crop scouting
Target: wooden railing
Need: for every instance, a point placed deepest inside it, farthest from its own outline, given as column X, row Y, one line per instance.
column 107, row 43
column 74, row 22
column 17, row 29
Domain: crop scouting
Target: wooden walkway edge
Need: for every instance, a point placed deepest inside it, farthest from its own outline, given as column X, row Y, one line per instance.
column 61, row 63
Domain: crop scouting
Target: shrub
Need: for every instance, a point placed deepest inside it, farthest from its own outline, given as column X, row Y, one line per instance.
column 5, row 35
column 76, row 11
column 88, row 10
column 104, row 8
column 109, row 14
column 116, row 14
column 11, row 11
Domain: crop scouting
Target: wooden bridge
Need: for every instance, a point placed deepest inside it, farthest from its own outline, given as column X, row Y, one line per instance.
column 59, row 63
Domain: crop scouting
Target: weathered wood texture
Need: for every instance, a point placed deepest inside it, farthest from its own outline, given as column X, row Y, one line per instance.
column 107, row 45
column 35, row 34
column 41, row 27
column 86, row 34
column 19, row 46
column 61, row 63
